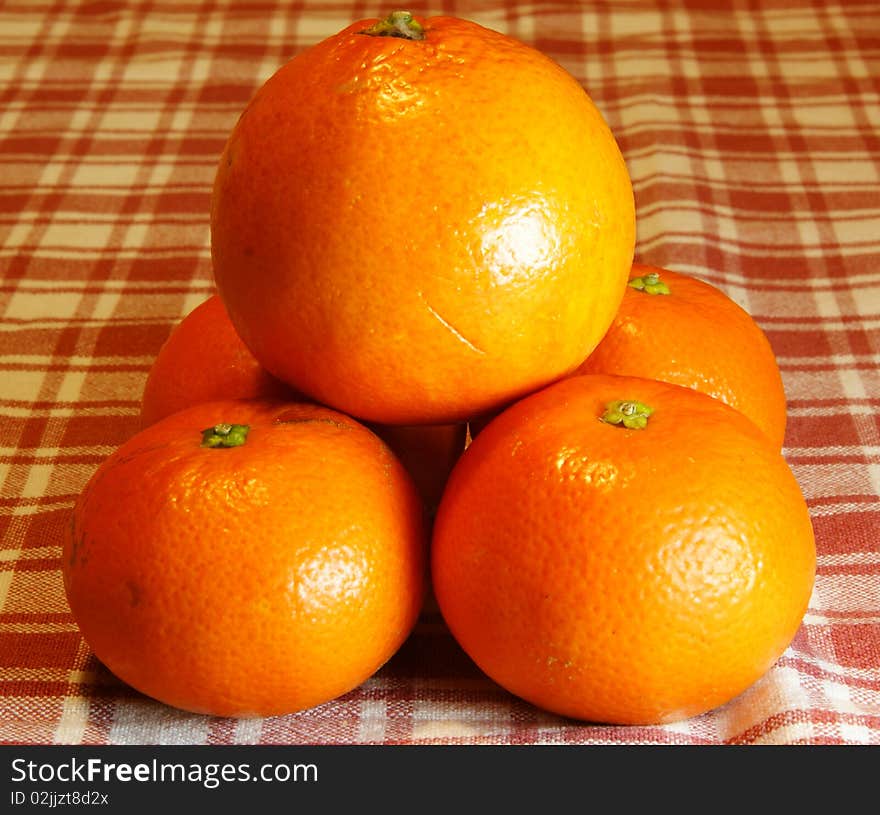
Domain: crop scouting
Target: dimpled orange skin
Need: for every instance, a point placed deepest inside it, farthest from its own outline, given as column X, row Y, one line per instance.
column 623, row 576
column 204, row 359
column 698, row 337
column 417, row 231
column 252, row 581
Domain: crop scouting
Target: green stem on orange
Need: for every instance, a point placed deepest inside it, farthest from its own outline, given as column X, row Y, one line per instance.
column 397, row 24
column 627, row 413
column 649, row 283
column 225, row 435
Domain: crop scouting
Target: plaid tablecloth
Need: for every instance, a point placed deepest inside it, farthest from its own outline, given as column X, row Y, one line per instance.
column 752, row 133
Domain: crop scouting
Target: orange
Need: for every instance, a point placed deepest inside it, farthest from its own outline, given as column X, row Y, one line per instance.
column 415, row 229
column 204, row 359
column 683, row 330
column 623, row 550
column 250, row 580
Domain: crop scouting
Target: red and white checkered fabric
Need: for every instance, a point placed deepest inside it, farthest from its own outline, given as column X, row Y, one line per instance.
column 752, row 133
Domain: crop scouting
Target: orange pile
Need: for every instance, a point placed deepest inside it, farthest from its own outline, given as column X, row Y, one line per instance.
column 415, row 223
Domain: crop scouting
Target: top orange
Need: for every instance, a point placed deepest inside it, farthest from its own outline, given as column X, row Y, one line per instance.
column 415, row 221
